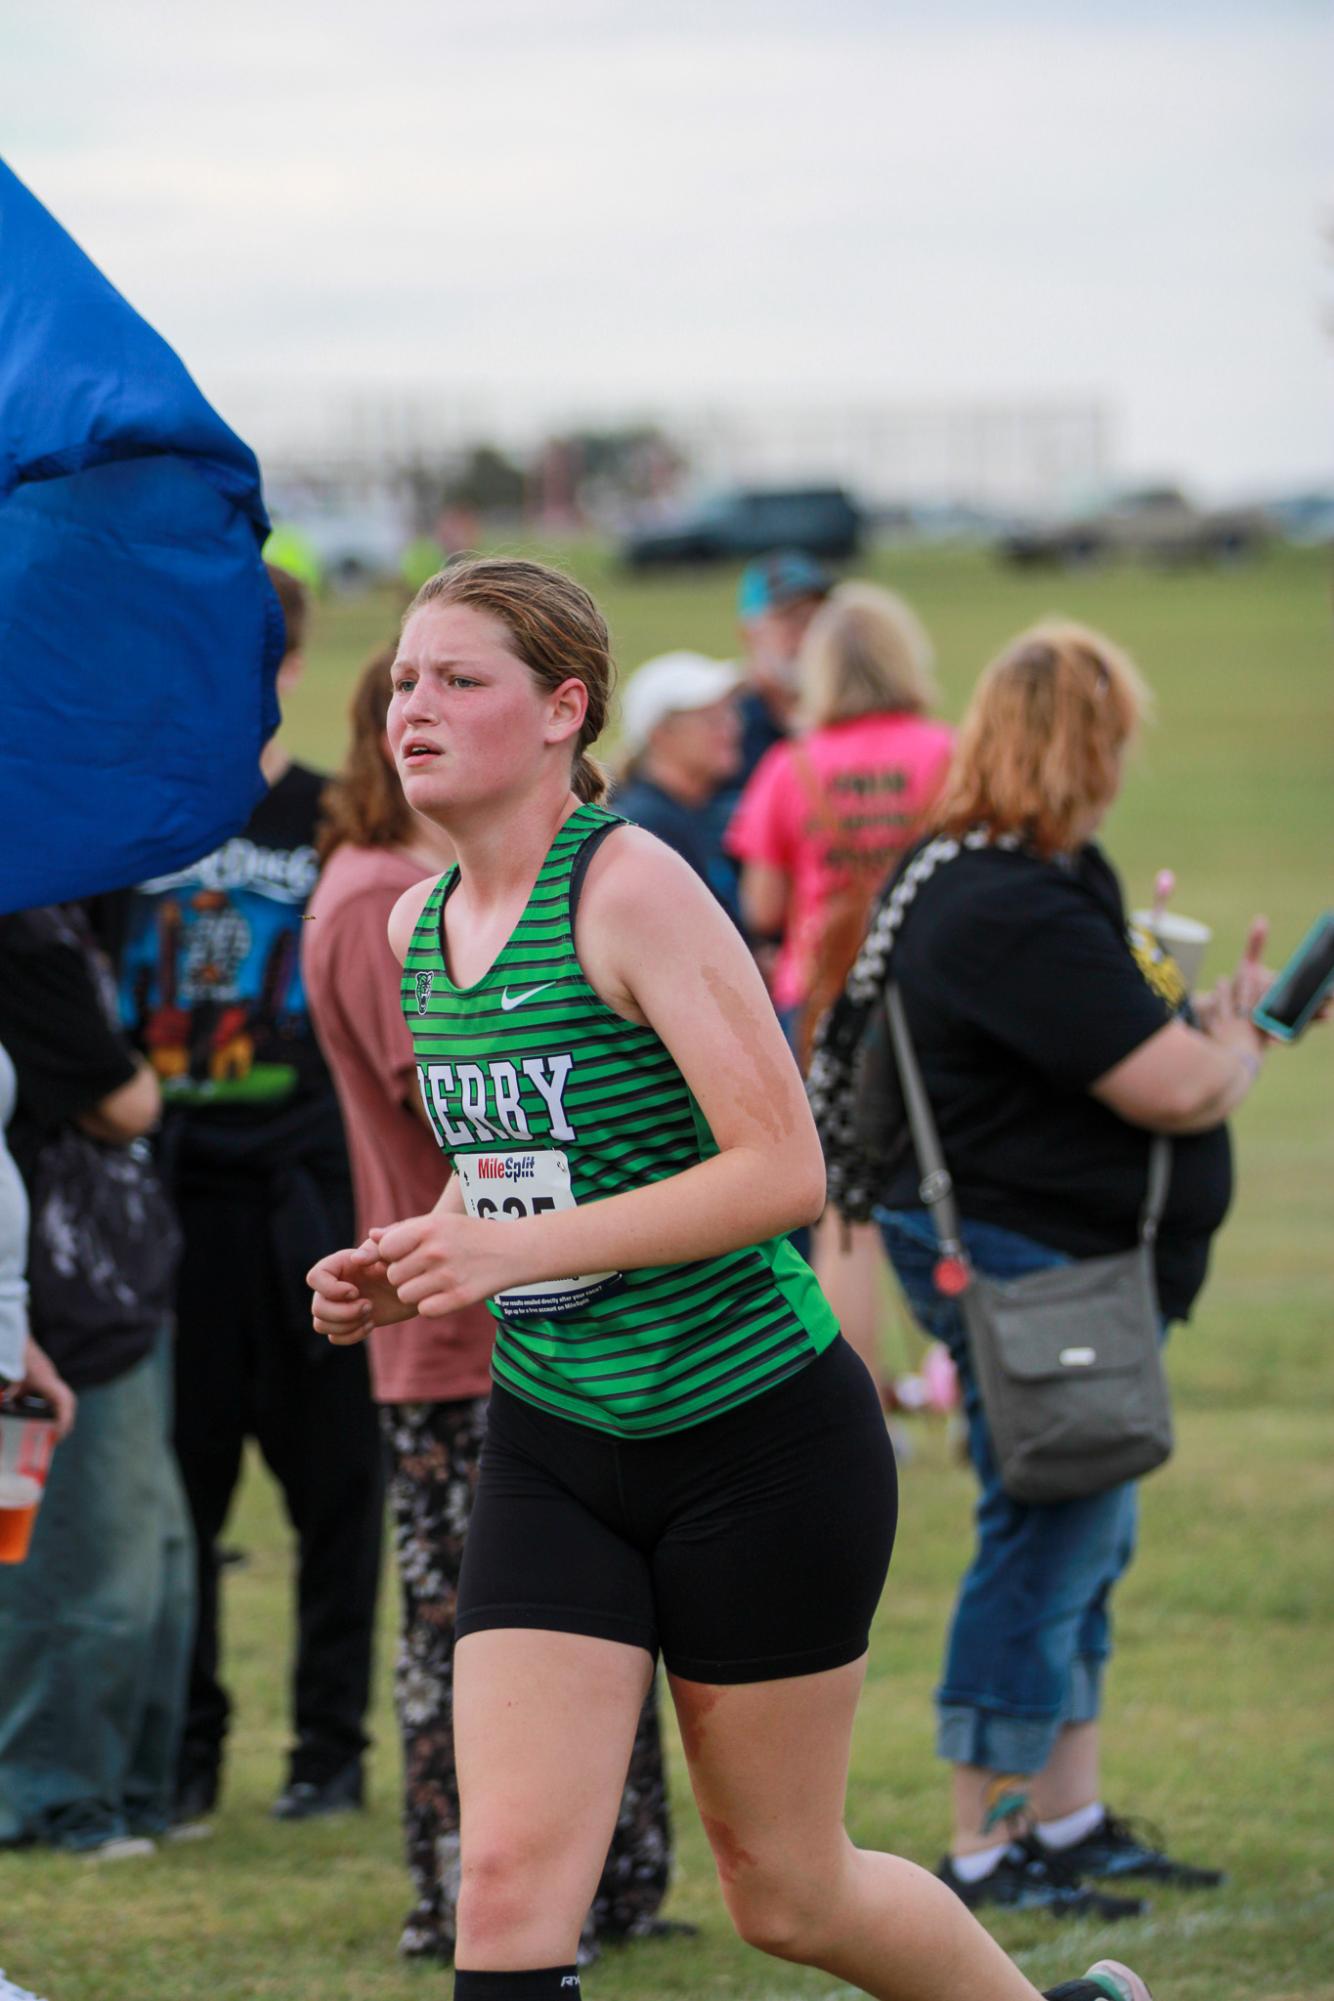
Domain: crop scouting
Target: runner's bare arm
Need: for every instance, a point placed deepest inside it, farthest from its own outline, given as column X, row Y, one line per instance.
column 405, row 916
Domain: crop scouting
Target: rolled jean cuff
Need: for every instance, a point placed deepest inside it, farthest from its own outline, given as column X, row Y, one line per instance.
column 992, row 1742
column 997, row 1743
column 1084, row 1701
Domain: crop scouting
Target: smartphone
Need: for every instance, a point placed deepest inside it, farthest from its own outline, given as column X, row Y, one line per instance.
column 1302, row 985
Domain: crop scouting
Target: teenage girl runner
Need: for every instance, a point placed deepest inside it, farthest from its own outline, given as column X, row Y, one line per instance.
column 683, row 1455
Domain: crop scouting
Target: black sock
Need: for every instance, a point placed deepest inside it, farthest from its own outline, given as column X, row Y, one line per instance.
column 538, row 1983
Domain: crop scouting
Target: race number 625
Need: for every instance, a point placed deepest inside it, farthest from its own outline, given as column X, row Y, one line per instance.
column 514, row 1205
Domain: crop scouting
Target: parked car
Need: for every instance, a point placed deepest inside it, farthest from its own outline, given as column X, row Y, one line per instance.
column 940, row 523
column 1154, row 524
column 823, row 520
column 1304, row 518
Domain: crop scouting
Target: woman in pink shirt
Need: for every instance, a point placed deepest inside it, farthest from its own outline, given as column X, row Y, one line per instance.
column 431, row 1377
column 822, row 822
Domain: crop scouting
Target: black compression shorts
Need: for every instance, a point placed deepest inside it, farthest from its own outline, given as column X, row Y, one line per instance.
column 751, row 1547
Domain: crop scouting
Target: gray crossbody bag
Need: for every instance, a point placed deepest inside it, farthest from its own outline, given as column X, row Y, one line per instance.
column 1068, row 1360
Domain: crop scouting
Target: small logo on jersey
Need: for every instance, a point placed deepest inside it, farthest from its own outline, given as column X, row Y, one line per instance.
column 509, row 1001
column 424, row 982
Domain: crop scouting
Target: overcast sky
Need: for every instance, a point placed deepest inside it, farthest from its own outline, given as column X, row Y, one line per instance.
column 624, row 200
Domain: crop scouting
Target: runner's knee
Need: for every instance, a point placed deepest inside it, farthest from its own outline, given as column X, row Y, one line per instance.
column 502, row 1883
column 781, row 1909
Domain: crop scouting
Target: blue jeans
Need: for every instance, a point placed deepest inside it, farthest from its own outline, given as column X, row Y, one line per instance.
column 95, row 1627
column 1031, row 1632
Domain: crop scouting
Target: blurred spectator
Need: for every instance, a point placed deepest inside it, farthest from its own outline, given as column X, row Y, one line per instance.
column 776, row 600
column 95, row 1624
column 682, row 734
column 431, row 1378
column 211, row 987
column 1053, row 1041
column 818, row 828
column 824, row 816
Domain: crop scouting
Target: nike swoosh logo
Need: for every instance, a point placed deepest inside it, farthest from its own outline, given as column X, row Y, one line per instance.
column 509, row 1000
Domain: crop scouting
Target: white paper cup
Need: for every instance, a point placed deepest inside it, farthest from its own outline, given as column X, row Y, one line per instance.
column 1184, row 939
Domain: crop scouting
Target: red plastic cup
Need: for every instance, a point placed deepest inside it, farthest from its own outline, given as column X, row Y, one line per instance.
column 27, row 1440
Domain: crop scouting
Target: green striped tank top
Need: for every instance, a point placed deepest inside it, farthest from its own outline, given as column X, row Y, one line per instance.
column 544, row 1098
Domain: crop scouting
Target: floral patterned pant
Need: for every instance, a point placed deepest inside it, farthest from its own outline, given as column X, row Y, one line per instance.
column 434, row 1452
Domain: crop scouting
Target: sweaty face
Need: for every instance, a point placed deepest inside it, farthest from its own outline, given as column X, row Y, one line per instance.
column 467, row 720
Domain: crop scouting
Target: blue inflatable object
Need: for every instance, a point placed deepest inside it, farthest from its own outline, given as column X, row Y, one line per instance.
column 139, row 633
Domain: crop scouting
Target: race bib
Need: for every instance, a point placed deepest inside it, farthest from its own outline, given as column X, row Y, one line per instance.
column 509, row 1186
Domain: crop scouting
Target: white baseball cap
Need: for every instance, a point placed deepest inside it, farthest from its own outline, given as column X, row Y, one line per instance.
column 668, row 684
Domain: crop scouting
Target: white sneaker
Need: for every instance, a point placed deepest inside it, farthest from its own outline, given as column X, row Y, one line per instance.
column 11, row 1991
column 120, row 1848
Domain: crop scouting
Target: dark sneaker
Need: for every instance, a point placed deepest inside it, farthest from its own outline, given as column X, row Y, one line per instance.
column 1119, row 1849
column 1107, row 1981
column 1027, row 1878
column 310, row 1799
column 648, row 1928
column 195, row 1800
column 196, row 1796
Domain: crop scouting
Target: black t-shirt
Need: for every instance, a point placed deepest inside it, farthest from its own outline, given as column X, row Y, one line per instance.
column 211, row 989
column 58, row 1022
column 1022, row 985
column 210, row 969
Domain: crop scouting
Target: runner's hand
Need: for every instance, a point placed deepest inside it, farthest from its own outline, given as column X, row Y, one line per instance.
column 352, row 1295
column 444, row 1261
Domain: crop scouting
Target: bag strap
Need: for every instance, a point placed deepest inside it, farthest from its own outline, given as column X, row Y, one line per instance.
column 1160, row 1182
column 831, row 1082
column 937, row 1184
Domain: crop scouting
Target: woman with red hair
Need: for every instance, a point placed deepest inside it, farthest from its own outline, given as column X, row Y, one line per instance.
column 1054, row 1041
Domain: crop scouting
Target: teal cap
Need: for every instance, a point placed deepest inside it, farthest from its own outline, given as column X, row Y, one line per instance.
column 783, row 578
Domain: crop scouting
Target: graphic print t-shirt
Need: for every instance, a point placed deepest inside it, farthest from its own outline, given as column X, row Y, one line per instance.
column 210, row 979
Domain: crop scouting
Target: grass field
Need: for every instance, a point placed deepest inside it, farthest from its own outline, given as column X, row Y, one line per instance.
column 1221, row 1720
